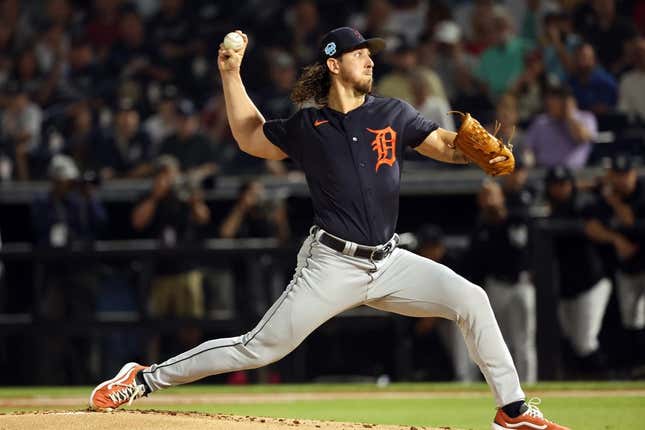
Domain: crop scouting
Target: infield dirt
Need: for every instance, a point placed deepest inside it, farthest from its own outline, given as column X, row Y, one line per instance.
column 82, row 420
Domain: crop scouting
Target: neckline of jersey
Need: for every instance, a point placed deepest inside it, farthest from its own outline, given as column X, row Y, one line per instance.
column 368, row 99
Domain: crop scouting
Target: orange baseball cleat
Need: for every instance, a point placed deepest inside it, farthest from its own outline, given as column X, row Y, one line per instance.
column 123, row 388
column 531, row 419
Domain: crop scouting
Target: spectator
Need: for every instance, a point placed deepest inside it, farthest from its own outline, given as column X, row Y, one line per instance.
column 170, row 31
column 617, row 220
column 161, row 125
column 507, row 119
column 529, row 87
column 607, row 32
column 305, row 30
column 632, row 86
column 451, row 59
column 503, row 62
column 563, row 134
column 131, row 57
column 124, row 151
column 500, row 236
column 6, row 52
column 20, row 127
column 255, row 214
column 408, row 18
column 59, row 12
column 83, row 77
column 69, row 215
column 477, row 20
column 558, row 45
column 80, row 137
column 374, row 21
column 17, row 16
column 102, row 28
column 398, row 82
column 52, row 47
column 195, row 153
column 428, row 104
column 595, row 89
column 528, row 14
column 173, row 211
column 431, row 244
column 274, row 100
column 639, row 16
column 583, row 284
column 27, row 76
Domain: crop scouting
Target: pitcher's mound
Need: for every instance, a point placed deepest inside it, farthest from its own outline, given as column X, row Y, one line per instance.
column 83, row 420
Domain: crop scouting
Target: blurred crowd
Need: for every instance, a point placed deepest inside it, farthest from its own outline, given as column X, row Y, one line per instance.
column 114, row 84
column 94, row 92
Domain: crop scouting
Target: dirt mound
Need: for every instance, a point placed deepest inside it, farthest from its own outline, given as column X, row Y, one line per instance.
column 84, row 420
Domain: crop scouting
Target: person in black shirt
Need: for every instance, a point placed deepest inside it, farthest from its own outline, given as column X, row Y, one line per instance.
column 124, row 151
column 583, row 284
column 618, row 220
column 256, row 215
column 173, row 215
column 350, row 147
column 194, row 151
column 519, row 194
column 499, row 259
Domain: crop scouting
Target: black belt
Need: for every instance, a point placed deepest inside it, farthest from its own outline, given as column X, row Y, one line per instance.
column 369, row 252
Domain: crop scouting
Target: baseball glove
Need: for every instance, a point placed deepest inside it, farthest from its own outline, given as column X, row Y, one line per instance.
column 480, row 146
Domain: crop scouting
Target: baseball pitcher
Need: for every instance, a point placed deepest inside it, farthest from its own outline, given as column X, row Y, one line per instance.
column 350, row 147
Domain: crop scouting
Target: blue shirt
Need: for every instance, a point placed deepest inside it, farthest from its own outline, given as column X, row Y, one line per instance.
column 601, row 88
column 353, row 162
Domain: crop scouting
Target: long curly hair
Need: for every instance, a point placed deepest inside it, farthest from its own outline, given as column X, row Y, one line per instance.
column 313, row 84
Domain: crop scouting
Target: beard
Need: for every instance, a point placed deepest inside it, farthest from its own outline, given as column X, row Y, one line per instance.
column 364, row 87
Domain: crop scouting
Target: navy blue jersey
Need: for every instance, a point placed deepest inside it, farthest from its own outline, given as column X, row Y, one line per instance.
column 353, row 163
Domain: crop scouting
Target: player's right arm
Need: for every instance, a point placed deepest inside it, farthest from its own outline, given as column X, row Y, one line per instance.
column 244, row 118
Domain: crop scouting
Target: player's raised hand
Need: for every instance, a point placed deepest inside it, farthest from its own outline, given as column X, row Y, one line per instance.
column 230, row 59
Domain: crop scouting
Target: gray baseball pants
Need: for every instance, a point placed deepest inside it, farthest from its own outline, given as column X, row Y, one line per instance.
column 327, row 283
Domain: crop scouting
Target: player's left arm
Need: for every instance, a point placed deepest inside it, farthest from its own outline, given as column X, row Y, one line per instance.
column 439, row 145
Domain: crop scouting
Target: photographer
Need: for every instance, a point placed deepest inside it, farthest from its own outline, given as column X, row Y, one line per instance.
column 255, row 215
column 69, row 215
column 173, row 211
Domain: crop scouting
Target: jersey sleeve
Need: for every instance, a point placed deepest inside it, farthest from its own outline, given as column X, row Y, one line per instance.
column 276, row 131
column 283, row 133
column 417, row 128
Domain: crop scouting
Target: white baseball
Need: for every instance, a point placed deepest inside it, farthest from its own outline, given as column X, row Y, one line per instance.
column 233, row 41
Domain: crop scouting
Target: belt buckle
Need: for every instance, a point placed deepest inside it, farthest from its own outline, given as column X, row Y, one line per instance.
column 374, row 251
column 385, row 249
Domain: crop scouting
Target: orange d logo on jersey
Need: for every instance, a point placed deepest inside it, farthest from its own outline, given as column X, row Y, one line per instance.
column 384, row 144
